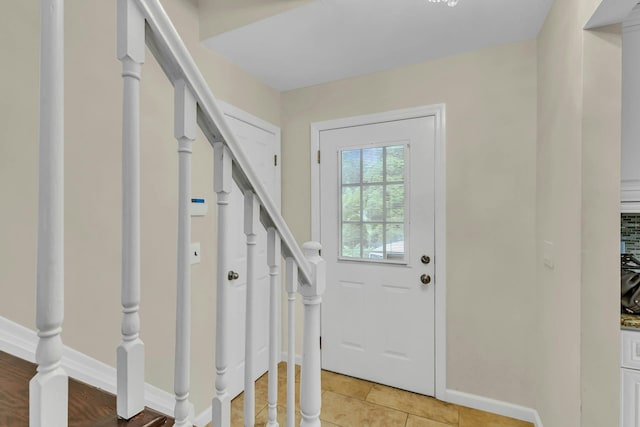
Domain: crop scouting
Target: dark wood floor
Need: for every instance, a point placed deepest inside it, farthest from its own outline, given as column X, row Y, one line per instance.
column 88, row 406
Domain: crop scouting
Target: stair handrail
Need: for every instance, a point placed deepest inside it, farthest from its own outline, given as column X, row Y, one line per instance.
column 143, row 22
column 176, row 61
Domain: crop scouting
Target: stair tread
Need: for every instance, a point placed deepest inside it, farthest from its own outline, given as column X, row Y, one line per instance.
column 88, row 406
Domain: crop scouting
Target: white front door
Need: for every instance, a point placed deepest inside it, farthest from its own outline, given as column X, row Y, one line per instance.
column 377, row 234
column 261, row 142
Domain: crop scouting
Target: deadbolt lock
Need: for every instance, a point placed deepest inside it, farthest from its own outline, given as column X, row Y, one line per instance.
column 425, row 279
column 232, row 275
column 425, row 259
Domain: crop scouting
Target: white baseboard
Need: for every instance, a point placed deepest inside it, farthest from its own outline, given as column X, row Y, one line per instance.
column 204, row 417
column 452, row 396
column 494, row 406
column 538, row 421
column 21, row 342
column 284, row 356
column 17, row 340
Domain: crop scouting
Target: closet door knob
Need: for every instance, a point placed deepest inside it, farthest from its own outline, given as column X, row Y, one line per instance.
column 425, row 279
column 232, row 275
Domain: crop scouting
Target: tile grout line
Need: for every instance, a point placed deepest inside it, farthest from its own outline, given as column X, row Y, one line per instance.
column 411, row 413
column 366, row 398
column 351, row 396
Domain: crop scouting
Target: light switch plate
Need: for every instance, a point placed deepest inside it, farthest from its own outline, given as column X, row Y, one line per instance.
column 547, row 253
column 195, row 253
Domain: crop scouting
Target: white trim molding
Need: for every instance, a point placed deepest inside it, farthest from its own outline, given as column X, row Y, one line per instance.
column 630, row 190
column 255, row 121
column 204, row 417
column 493, row 406
column 630, row 207
column 21, row 342
column 438, row 112
column 298, row 358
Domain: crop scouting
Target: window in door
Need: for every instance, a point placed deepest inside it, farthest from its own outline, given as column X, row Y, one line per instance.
column 373, row 205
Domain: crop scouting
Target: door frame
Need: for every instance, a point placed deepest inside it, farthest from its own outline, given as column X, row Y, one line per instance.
column 438, row 112
column 248, row 118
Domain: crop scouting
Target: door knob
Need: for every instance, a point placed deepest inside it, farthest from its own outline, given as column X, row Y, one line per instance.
column 232, row 275
column 425, row 279
column 425, row 259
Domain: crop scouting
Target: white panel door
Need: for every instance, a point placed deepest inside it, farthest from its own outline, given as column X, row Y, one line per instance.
column 261, row 142
column 377, row 232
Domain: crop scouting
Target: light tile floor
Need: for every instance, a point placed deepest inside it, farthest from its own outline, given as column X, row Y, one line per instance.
column 351, row 402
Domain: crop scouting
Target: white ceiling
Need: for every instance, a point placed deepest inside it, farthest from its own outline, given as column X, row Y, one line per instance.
column 328, row 40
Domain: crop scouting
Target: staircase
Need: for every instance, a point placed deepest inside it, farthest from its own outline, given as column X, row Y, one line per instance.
column 143, row 22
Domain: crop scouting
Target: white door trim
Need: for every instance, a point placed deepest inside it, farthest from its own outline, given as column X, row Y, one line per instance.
column 256, row 122
column 237, row 113
column 438, row 111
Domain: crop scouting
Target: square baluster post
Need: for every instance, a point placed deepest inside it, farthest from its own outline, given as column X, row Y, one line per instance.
column 221, row 404
column 310, row 388
column 130, row 353
column 185, row 132
column 273, row 259
column 48, row 389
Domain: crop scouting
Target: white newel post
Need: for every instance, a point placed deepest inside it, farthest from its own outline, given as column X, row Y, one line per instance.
column 221, row 404
column 48, row 389
column 251, row 224
column 292, row 287
column 310, row 389
column 273, row 259
column 185, row 110
column 130, row 353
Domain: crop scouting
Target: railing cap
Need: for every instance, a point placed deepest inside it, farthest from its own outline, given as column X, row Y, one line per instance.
column 311, row 252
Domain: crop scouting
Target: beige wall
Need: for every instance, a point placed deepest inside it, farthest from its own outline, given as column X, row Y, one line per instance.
column 578, row 173
column 532, row 131
column 559, row 216
column 93, row 185
column 600, row 304
column 490, row 96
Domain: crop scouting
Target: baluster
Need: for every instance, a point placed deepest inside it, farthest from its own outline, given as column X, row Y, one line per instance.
column 292, row 287
column 310, row 388
column 185, row 133
column 48, row 389
column 251, row 224
column 221, row 405
column 273, row 259
column 130, row 353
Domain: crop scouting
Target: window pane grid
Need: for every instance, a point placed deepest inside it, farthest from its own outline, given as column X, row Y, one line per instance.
column 374, row 222
column 373, row 226
column 371, row 184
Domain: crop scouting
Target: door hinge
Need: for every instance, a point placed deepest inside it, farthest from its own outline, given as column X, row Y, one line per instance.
column 320, row 343
column 318, row 156
column 275, row 160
